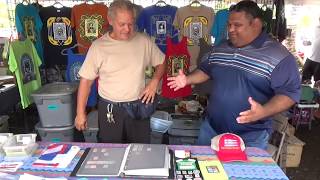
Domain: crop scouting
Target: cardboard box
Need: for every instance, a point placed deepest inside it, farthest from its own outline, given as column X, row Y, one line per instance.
column 294, row 151
column 279, row 122
column 290, row 130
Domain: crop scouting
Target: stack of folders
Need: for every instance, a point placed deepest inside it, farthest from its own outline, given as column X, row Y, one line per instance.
column 136, row 160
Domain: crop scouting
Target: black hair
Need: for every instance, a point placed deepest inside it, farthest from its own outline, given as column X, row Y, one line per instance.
column 249, row 7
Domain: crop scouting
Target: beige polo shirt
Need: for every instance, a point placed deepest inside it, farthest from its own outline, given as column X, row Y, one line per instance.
column 120, row 65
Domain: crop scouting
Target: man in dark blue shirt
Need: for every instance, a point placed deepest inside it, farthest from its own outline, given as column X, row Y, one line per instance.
column 254, row 77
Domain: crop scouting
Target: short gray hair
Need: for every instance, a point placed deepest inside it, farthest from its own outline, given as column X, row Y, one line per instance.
column 120, row 4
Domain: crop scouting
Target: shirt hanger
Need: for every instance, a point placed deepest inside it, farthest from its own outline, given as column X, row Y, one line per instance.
column 195, row 3
column 90, row 2
column 161, row 3
column 57, row 4
column 25, row 2
column 63, row 51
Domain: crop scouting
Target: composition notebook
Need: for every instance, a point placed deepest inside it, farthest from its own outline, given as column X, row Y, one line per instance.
column 142, row 160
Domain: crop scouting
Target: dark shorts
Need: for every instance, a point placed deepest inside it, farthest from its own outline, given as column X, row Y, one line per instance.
column 131, row 122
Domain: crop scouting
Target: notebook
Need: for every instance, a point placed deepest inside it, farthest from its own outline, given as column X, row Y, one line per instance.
column 102, row 162
column 212, row 169
column 148, row 160
column 138, row 160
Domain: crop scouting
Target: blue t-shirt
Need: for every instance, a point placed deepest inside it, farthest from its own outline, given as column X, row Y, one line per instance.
column 219, row 26
column 157, row 21
column 260, row 70
column 75, row 62
column 28, row 23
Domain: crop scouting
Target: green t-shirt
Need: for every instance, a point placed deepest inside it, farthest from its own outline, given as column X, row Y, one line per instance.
column 24, row 62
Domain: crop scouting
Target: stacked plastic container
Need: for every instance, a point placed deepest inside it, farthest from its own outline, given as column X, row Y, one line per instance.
column 184, row 130
column 56, row 104
column 160, row 122
column 90, row 134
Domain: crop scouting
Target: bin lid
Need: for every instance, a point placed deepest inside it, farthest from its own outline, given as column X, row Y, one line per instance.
column 56, row 89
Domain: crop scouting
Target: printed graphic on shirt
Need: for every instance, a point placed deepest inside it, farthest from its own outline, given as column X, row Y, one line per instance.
column 91, row 27
column 27, row 68
column 74, row 71
column 175, row 63
column 194, row 29
column 159, row 29
column 29, row 27
column 59, row 31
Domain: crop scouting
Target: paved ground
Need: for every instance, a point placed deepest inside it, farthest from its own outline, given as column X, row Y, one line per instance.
column 309, row 168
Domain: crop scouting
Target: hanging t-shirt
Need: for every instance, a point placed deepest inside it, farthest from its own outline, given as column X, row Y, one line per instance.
column 29, row 24
column 75, row 62
column 177, row 57
column 205, row 87
column 267, row 14
column 157, row 21
column 24, row 62
column 57, row 34
column 219, row 28
column 90, row 22
column 194, row 23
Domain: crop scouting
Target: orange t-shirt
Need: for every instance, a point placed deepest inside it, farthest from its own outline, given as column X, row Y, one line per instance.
column 90, row 22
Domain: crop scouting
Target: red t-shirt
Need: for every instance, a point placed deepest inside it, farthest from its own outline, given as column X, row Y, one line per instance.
column 177, row 57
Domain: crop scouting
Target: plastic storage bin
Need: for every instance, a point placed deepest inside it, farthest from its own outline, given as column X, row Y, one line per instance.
column 20, row 145
column 160, row 121
column 56, row 104
column 90, row 134
column 184, row 130
column 3, row 139
column 56, row 134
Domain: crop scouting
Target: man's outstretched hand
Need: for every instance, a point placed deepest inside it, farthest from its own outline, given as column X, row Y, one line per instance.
column 177, row 82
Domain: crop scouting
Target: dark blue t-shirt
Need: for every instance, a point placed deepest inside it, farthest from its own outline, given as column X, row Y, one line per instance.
column 157, row 21
column 75, row 62
column 260, row 70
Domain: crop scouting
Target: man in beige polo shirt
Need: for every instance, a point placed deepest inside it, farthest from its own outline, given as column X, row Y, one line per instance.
column 119, row 58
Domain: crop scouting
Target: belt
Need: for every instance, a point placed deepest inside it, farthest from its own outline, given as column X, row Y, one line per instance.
column 127, row 103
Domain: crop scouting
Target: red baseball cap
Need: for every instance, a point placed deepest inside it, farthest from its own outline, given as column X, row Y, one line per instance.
column 229, row 147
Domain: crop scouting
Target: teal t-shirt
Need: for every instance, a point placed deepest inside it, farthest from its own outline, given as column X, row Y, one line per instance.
column 24, row 62
column 28, row 23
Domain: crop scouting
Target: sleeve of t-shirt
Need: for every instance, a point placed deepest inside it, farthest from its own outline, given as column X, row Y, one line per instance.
column 37, row 19
column 176, row 21
column 36, row 57
column 285, row 79
column 204, row 64
column 157, row 57
column 214, row 29
column 212, row 17
column 73, row 16
column 12, row 60
column 106, row 24
column 90, row 67
column 18, row 21
column 141, row 21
